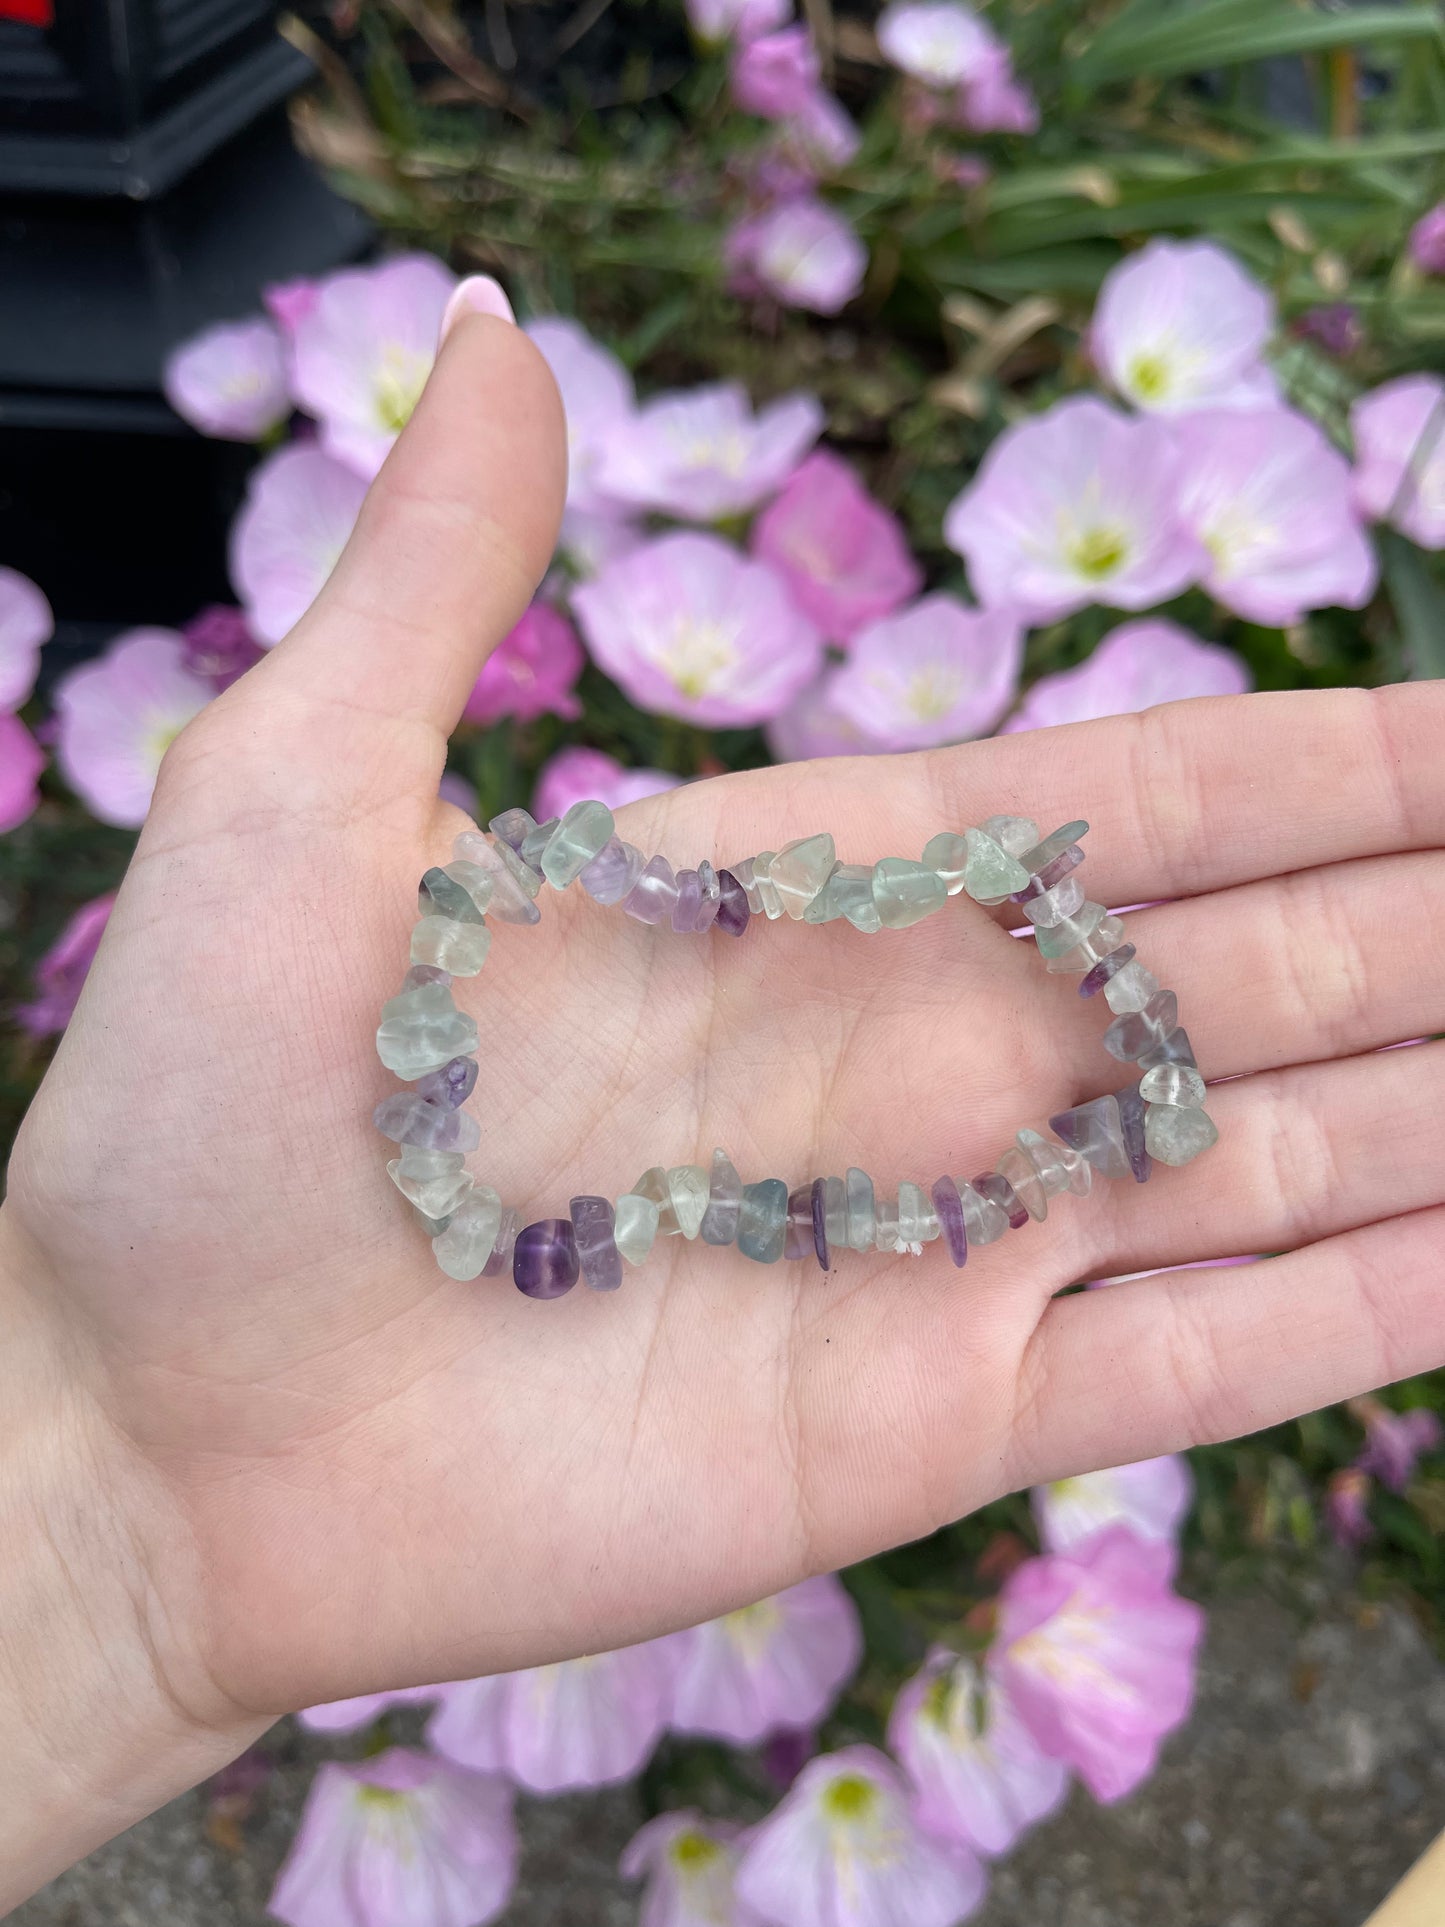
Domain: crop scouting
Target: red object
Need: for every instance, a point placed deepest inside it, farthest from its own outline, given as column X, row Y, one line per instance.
column 31, row 13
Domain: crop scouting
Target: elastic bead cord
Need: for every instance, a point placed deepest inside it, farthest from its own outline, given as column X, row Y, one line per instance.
column 430, row 1044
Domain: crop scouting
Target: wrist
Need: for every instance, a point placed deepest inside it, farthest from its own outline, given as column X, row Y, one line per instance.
column 108, row 1708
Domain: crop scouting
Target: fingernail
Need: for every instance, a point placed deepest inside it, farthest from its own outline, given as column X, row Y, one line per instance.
column 478, row 294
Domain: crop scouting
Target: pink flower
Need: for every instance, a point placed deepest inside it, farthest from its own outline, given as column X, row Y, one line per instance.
column 230, row 381
column 1098, row 1656
column 453, row 788
column 1269, row 499
column 1399, row 431
column 822, row 134
column 1347, row 1501
column 531, row 672
column 691, row 628
column 588, row 542
column 845, row 1850
column 597, row 395
column 299, row 512
column 1151, row 1497
column 580, row 775
column 939, row 42
column 220, row 646
column 801, row 252
column 400, row 1840
column 843, row 556
column 780, row 1663
column 347, row 1716
column 63, row 969
column 775, row 74
column 979, row 1774
column 582, row 1722
column 119, row 715
column 26, row 624
column 1132, row 668
column 1180, row 325
column 812, row 726
column 714, row 21
column 21, row 761
column 1427, row 241
column 996, row 101
column 1075, row 506
column 689, row 1865
column 701, row 453
column 289, row 302
column 934, row 674
column 361, row 353
column 1394, row 1441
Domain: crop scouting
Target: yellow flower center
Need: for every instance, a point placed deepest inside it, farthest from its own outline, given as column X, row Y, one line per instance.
column 1098, row 552
column 693, row 1852
column 383, row 1798
column 932, row 693
column 400, row 379
column 850, row 1798
column 698, row 654
column 1150, row 377
column 751, row 1628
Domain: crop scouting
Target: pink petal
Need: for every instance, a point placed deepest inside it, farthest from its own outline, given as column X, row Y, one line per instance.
column 21, row 761
column 230, row 381
column 1132, row 668
column 118, row 716
column 935, row 674
column 26, row 624
column 781, row 1663
column 299, row 512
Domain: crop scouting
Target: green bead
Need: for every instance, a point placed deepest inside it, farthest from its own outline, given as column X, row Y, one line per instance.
column 862, row 1227
column 1058, row 939
column 458, row 948
column 1175, row 1135
column 634, row 1226
column 799, row 871
column 948, row 855
column 851, row 888
column 991, row 875
column 917, row 1220
column 763, row 1221
column 464, row 1247
column 1015, row 834
column 687, row 1190
column 653, row 1184
column 442, row 895
column 1042, row 854
column 905, row 892
column 583, row 832
column 434, row 1181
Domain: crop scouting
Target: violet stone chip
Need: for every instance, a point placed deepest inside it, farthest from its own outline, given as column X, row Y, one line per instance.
column 733, row 914
column 1131, row 1118
column 452, row 1085
column 1107, row 968
column 992, row 1185
column 544, row 1259
column 819, row 1205
column 949, row 1206
column 597, row 1252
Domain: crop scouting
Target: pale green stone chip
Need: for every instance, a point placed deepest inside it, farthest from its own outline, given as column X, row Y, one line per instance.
column 634, row 1226
column 1175, row 1135
column 990, row 874
column 458, row 948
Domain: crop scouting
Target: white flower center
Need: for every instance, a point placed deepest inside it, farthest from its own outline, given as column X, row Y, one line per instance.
column 698, row 654
column 400, row 377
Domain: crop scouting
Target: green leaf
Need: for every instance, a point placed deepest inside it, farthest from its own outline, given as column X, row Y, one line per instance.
column 1225, row 33
column 1419, row 602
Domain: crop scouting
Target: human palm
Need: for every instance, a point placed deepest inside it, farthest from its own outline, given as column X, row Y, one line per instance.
column 348, row 1471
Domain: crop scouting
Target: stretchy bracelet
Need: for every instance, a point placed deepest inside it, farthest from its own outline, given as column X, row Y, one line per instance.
column 430, row 1044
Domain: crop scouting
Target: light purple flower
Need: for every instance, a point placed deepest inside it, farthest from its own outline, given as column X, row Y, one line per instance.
column 230, row 381
column 597, row 396
column 220, row 646
column 691, row 628
column 811, row 726
column 1347, row 1501
column 701, row 453
column 1151, row 1497
column 532, row 671
column 1427, row 241
column 21, row 761
column 979, row 1774
column 996, row 101
column 63, row 969
column 1399, row 432
column 715, row 21
column 801, row 252
column 780, row 1663
column 26, row 624
column 1180, row 325
column 347, row 1716
column 118, row 716
column 689, row 1865
column 939, row 42
column 843, row 556
column 453, row 788
column 299, row 512
column 588, row 542
column 1335, row 325
column 844, row 1849
column 1097, row 1654
column 822, row 134
column 1075, row 506
column 361, row 353
column 289, row 302
column 400, row 1840
column 580, row 775
column 934, row 674
column 1132, row 668
column 774, row 75
column 581, row 1722
column 1270, row 501
column 1394, row 1441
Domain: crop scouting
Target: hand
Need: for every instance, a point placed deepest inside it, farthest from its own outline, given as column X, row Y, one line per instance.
column 337, row 1470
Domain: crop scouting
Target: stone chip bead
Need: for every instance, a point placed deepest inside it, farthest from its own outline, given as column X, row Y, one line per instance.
column 1107, row 967
column 613, row 872
column 1131, row 1122
column 1177, row 1084
column 452, row 1085
column 851, row 888
column 1051, row 874
column 947, row 853
column 463, row 1248
column 733, row 914
column 724, row 1198
column 1096, row 1131
column 421, row 1029
column 1057, row 939
column 544, row 1258
column 460, row 949
column 885, row 1225
column 948, row 1204
column 1175, row 1135
column 904, row 892
column 917, row 1220
column 1018, row 1169
column 994, row 1188
column 535, row 842
column 634, row 1227
column 441, row 894
column 654, row 893
column 1175, row 1049
column 799, row 871
column 1047, row 1159
column 763, row 1221
column 583, row 834
column 1138, row 1031
column 434, row 1181
column 1130, row 988
column 984, row 1219
column 513, row 827
column 1058, row 905
column 653, row 1184
column 687, row 1191
column 770, row 900
column 597, row 1253
column 861, row 1217
column 407, row 1118
column 818, row 1214
column 990, row 874
column 513, row 884
column 1102, row 940
column 1013, row 834
column 500, row 1263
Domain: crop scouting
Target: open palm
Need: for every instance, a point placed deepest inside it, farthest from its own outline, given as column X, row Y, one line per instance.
column 348, row 1471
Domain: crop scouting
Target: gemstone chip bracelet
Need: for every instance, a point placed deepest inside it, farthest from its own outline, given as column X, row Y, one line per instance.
column 430, row 1044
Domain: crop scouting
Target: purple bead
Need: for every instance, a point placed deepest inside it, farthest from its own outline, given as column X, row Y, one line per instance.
column 991, row 1185
column 949, row 1206
column 513, row 827
column 424, row 974
column 689, row 901
column 1131, row 1118
column 430, row 1127
column 654, row 893
column 597, row 1254
column 1106, row 968
column 501, row 1258
column 1054, row 871
column 799, row 1243
column 612, row 872
column 711, row 898
column 733, row 914
column 1176, row 1049
column 818, row 1204
column 452, row 1085
column 544, row 1260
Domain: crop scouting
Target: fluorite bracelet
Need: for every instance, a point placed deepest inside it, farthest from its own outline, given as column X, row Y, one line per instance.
column 429, row 1043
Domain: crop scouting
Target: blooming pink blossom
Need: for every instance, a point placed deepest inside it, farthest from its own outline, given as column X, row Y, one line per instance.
column 801, row 252
column 1269, row 499
column 780, row 1663
column 299, row 512
column 822, row 134
column 588, row 542
column 996, row 101
column 812, row 726
column 579, row 775
column 978, row 1771
column 63, row 969
column 361, row 353
column 1097, row 1654
column 939, row 42
column 289, row 302
column 119, row 715
column 701, row 453
column 844, row 1849
column 1395, row 1441
column 21, row 761
column 401, row 1840
column 689, row 1865
column 691, row 628
column 1399, row 432
column 774, row 74
column 1075, row 506
column 597, row 396
column 1180, row 325
column 531, row 672
column 220, row 645
column 1347, row 1501
column 1427, row 241
column 581, row 1722
column 933, row 674
column 843, row 556
column 1132, row 668
column 1151, row 1497
column 347, row 1716
column 230, row 381
column 714, row 21
column 26, row 624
